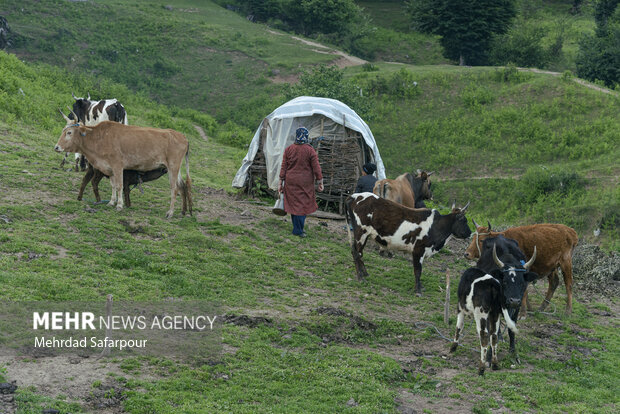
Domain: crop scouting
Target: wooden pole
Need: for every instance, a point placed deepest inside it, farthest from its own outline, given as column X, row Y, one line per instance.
column 108, row 330
column 446, row 307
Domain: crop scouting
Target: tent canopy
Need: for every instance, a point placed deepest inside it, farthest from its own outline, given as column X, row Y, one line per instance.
column 280, row 128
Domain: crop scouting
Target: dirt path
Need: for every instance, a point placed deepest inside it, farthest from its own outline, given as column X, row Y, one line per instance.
column 202, row 133
column 579, row 81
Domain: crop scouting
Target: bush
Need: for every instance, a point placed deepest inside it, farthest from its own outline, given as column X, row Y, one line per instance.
column 522, row 45
column 233, row 135
column 540, row 182
column 328, row 82
column 401, row 84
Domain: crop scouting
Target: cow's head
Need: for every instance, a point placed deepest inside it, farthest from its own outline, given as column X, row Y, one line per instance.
column 474, row 249
column 421, row 185
column 513, row 278
column 80, row 108
column 460, row 228
column 69, row 138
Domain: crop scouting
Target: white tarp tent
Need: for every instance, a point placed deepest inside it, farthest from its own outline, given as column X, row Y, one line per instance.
column 280, row 133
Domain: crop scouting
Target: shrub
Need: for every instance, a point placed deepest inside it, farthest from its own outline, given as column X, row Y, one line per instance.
column 328, row 82
column 539, row 182
column 233, row 135
column 401, row 84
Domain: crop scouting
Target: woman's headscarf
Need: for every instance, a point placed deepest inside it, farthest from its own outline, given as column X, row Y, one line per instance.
column 301, row 136
column 369, row 168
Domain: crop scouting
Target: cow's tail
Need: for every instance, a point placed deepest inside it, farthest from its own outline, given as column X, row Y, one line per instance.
column 349, row 218
column 186, row 187
column 509, row 322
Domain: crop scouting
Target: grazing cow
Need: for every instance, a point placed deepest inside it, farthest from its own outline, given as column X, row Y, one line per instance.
column 555, row 243
column 90, row 113
column 112, row 148
column 421, row 232
column 486, row 294
column 406, row 189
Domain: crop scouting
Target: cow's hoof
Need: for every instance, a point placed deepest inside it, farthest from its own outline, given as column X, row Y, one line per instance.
column 169, row 214
column 454, row 346
column 494, row 366
column 481, row 371
column 119, row 208
column 111, row 204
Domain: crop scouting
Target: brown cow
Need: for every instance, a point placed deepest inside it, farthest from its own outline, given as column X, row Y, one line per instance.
column 406, row 189
column 555, row 244
column 113, row 147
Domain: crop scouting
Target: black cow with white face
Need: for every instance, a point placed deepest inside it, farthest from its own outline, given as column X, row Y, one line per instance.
column 90, row 113
column 496, row 286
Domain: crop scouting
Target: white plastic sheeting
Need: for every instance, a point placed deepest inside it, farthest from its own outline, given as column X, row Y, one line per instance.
column 282, row 123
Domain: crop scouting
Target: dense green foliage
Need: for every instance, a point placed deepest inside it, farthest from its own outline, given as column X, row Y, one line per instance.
column 329, row 82
column 599, row 54
column 466, row 27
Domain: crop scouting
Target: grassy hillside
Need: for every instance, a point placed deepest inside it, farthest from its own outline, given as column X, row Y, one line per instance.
column 196, row 55
column 302, row 334
column 524, row 147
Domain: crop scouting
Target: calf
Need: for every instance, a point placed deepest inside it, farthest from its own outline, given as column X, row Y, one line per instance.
column 406, row 189
column 130, row 177
column 112, row 148
column 486, row 295
column 421, row 232
column 556, row 244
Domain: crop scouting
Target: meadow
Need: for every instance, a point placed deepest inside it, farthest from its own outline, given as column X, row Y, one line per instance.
column 300, row 333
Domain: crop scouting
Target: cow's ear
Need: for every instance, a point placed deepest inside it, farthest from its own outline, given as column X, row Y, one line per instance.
column 83, row 130
column 530, row 276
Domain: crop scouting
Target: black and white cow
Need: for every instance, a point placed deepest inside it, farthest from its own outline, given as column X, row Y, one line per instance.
column 490, row 291
column 90, row 113
column 421, row 232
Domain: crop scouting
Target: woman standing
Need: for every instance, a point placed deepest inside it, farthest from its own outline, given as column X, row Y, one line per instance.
column 300, row 169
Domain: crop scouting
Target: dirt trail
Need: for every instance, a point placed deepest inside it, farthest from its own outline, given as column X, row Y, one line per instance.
column 579, row 81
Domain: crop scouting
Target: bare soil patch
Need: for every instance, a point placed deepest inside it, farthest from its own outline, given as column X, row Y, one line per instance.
column 71, row 376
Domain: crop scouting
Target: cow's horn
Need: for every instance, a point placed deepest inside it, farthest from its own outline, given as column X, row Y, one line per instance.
column 63, row 115
column 75, row 117
column 489, row 224
column 430, row 173
column 475, row 224
column 465, row 208
column 453, row 205
column 496, row 259
column 88, row 96
column 531, row 261
column 72, row 94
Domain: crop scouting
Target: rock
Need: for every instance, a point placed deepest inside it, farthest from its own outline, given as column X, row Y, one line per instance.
column 8, row 387
column 352, row 403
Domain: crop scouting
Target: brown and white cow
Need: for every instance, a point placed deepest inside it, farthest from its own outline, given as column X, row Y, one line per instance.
column 406, row 189
column 112, row 148
column 555, row 244
column 421, row 232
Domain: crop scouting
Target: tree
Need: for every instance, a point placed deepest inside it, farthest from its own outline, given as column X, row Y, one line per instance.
column 599, row 54
column 466, row 27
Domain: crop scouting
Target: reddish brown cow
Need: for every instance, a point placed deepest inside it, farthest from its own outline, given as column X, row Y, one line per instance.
column 406, row 189
column 555, row 244
column 112, row 147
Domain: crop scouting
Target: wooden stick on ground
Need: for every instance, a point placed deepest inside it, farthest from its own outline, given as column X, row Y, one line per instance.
column 446, row 308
